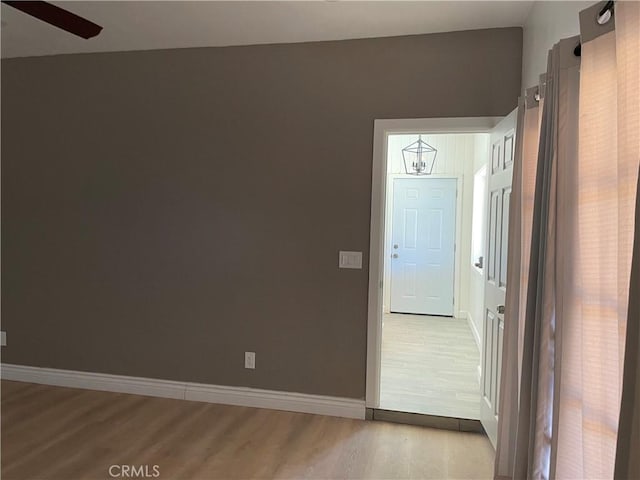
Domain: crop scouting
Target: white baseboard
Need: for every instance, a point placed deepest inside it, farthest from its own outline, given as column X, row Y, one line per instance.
column 476, row 337
column 474, row 330
column 242, row 396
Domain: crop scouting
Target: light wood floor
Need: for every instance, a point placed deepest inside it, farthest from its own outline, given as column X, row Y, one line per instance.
column 429, row 365
column 62, row 433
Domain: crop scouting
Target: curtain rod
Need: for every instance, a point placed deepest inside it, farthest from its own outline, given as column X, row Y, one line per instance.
column 603, row 17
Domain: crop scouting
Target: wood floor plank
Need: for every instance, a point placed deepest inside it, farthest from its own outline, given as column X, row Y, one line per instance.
column 78, row 434
column 429, row 365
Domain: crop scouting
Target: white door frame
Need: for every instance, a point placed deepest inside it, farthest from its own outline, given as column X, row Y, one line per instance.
column 382, row 129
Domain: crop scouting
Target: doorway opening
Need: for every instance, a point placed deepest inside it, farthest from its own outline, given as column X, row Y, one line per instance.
column 426, row 294
column 430, row 358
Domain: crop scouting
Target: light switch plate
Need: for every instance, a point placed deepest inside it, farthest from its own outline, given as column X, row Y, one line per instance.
column 3, row 338
column 250, row 360
column 350, row 260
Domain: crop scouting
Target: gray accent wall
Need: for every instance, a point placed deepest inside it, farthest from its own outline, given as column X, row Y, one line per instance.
column 165, row 211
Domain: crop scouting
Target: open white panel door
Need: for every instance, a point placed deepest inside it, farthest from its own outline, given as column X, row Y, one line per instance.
column 499, row 173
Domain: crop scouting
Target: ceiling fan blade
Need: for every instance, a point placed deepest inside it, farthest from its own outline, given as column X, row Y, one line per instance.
column 58, row 17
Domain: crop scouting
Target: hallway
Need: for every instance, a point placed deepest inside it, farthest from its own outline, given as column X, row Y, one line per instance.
column 430, row 366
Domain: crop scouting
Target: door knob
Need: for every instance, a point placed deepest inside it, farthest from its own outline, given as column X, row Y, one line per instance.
column 395, row 255
column 500, row 309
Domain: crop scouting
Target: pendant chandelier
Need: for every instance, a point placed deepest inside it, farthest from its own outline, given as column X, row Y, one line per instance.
column 419, row 157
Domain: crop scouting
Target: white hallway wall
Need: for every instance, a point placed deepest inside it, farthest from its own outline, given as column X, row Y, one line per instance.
column 458, row 155
column 476, row 276
column 547, row 23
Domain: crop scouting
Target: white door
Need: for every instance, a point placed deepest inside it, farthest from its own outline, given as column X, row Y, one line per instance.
column 499, row 173
column 423, row 242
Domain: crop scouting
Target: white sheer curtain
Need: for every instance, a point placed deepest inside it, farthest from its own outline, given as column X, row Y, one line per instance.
column 534, row 101
column 594, row 327
column 537, row 231
column 628, row 63
column 628, row 69
column 571, row 346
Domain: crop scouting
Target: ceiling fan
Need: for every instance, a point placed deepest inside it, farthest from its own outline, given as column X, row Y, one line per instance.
column 58, row 17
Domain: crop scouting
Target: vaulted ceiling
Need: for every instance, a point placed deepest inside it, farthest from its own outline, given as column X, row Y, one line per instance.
column 145, row 25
